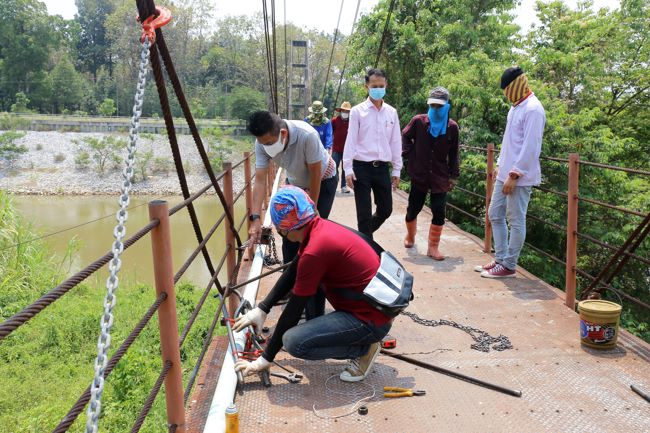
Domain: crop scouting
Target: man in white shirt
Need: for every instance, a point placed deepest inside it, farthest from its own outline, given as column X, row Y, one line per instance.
column 372, row 157
column 518, row 171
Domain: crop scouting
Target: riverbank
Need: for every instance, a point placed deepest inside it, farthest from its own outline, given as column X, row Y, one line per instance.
column 48, row 167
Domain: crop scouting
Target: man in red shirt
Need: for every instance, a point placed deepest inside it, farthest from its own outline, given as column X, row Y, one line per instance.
column 333, row 257
column 340, row 125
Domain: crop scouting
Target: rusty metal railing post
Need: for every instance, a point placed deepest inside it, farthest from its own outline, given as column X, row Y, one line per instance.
column 489, row 186
column 161, row 246
column 248, row 187
column 572, row 231
column 231, row 252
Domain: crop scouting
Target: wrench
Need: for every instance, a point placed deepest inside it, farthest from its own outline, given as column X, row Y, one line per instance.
column 291, row 378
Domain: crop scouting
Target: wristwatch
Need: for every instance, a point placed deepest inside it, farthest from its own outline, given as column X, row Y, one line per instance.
column 253, row 217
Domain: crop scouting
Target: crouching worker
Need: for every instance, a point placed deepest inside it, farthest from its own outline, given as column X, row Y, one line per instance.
column 335, row 258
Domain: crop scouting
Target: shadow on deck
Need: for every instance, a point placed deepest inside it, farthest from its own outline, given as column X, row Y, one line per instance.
column 565, row 387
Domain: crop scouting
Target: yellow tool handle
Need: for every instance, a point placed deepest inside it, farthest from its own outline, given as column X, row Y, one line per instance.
column 398, row 394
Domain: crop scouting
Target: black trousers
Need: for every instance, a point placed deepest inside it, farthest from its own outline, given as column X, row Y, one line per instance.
column 372, row 177
column 417, row 197
column 316, row 304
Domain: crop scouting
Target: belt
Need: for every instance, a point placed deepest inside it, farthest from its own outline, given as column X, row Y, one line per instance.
column 371, row 163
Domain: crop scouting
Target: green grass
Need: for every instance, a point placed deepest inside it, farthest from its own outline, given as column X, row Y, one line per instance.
column 47, row 363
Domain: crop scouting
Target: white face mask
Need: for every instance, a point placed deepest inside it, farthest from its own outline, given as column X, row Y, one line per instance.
column 345, row 115
column 275, row 148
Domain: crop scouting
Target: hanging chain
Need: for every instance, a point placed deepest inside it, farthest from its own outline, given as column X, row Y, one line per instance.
column 106, row 321
column 483, row 341
column 271, row 257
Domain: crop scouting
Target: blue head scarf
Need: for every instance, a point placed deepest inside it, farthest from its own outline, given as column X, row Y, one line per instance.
column 438, row 118
column 291, row 208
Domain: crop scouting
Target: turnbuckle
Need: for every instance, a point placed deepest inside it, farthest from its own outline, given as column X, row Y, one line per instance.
column 153, row 22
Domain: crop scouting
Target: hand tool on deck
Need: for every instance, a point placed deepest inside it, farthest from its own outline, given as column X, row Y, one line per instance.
column 291, row 378
column 396, row 391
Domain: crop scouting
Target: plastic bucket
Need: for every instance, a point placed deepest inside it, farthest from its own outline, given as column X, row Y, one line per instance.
column 599, row 323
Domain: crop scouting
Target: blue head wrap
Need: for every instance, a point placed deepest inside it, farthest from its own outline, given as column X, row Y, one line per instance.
column 291, row 208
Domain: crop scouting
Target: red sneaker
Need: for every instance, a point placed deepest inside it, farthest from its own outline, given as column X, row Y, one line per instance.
column 499, row 271
column 481, row 268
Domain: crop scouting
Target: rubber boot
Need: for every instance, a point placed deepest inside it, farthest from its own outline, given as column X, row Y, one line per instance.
column 434, row 241
column 411, row 229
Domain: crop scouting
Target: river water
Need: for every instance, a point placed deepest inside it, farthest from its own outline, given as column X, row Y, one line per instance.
column 87, row 223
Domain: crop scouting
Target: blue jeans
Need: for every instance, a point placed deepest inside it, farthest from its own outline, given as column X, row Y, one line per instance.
column 338, row 158
column 513, row 206
column 337, row 335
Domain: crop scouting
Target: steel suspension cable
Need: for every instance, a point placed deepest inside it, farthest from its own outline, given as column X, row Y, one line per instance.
column 345, row 59
column 286, row 64
column 269, row 55
column 385, row 32
column 329, row 66
column 275, row 60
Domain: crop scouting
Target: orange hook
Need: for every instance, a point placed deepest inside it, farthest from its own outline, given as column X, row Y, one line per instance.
column 153, row 22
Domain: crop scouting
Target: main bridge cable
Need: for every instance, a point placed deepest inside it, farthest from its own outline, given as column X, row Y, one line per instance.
column 345, row 59
column 144, row 7
column 385, row 32
column 270, row 54
column 336, row 33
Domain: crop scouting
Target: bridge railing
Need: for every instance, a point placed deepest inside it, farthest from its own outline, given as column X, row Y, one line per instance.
column 479, row 166
column 164, row 295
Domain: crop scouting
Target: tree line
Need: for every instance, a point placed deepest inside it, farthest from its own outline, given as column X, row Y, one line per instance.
column 85, row 65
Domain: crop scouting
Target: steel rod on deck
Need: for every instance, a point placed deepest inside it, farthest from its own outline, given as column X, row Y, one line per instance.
column 454, row 374
column 161, row 246
column 571, row 231
column 489, row 187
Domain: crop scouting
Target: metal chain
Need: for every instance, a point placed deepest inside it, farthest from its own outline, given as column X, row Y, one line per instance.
column 271, row 257
column 483, row 341
column 106, row 321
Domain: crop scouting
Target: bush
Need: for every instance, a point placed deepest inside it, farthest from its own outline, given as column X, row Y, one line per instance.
column 59, row 157
column 9, row 121
column 39, row 146
column 142, row 164
column 107, row 107
column 102, row 151
column 82, row 159
column 161, row 165
column 9, row 150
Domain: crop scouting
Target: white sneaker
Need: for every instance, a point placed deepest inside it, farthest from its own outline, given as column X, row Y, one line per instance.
column 345, row 190
column 360, row 367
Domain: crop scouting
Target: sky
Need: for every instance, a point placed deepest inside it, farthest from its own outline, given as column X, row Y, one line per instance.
column 301, row 12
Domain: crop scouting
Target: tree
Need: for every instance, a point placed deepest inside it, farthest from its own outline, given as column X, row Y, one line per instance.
column 244, row 101
column 67, row 85
column 107, row 107
column 20, row 106
column 25, row 42
column 93, row 44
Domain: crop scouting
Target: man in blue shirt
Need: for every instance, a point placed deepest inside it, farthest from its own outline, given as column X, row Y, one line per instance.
column 321, row 124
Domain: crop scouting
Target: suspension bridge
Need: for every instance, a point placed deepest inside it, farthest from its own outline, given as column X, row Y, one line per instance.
column 451, row 342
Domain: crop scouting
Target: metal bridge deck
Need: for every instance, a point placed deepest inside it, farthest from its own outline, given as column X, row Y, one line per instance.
column 565, row 387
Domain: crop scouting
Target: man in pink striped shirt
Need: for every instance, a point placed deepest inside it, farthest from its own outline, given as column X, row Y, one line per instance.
column 372, row 158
